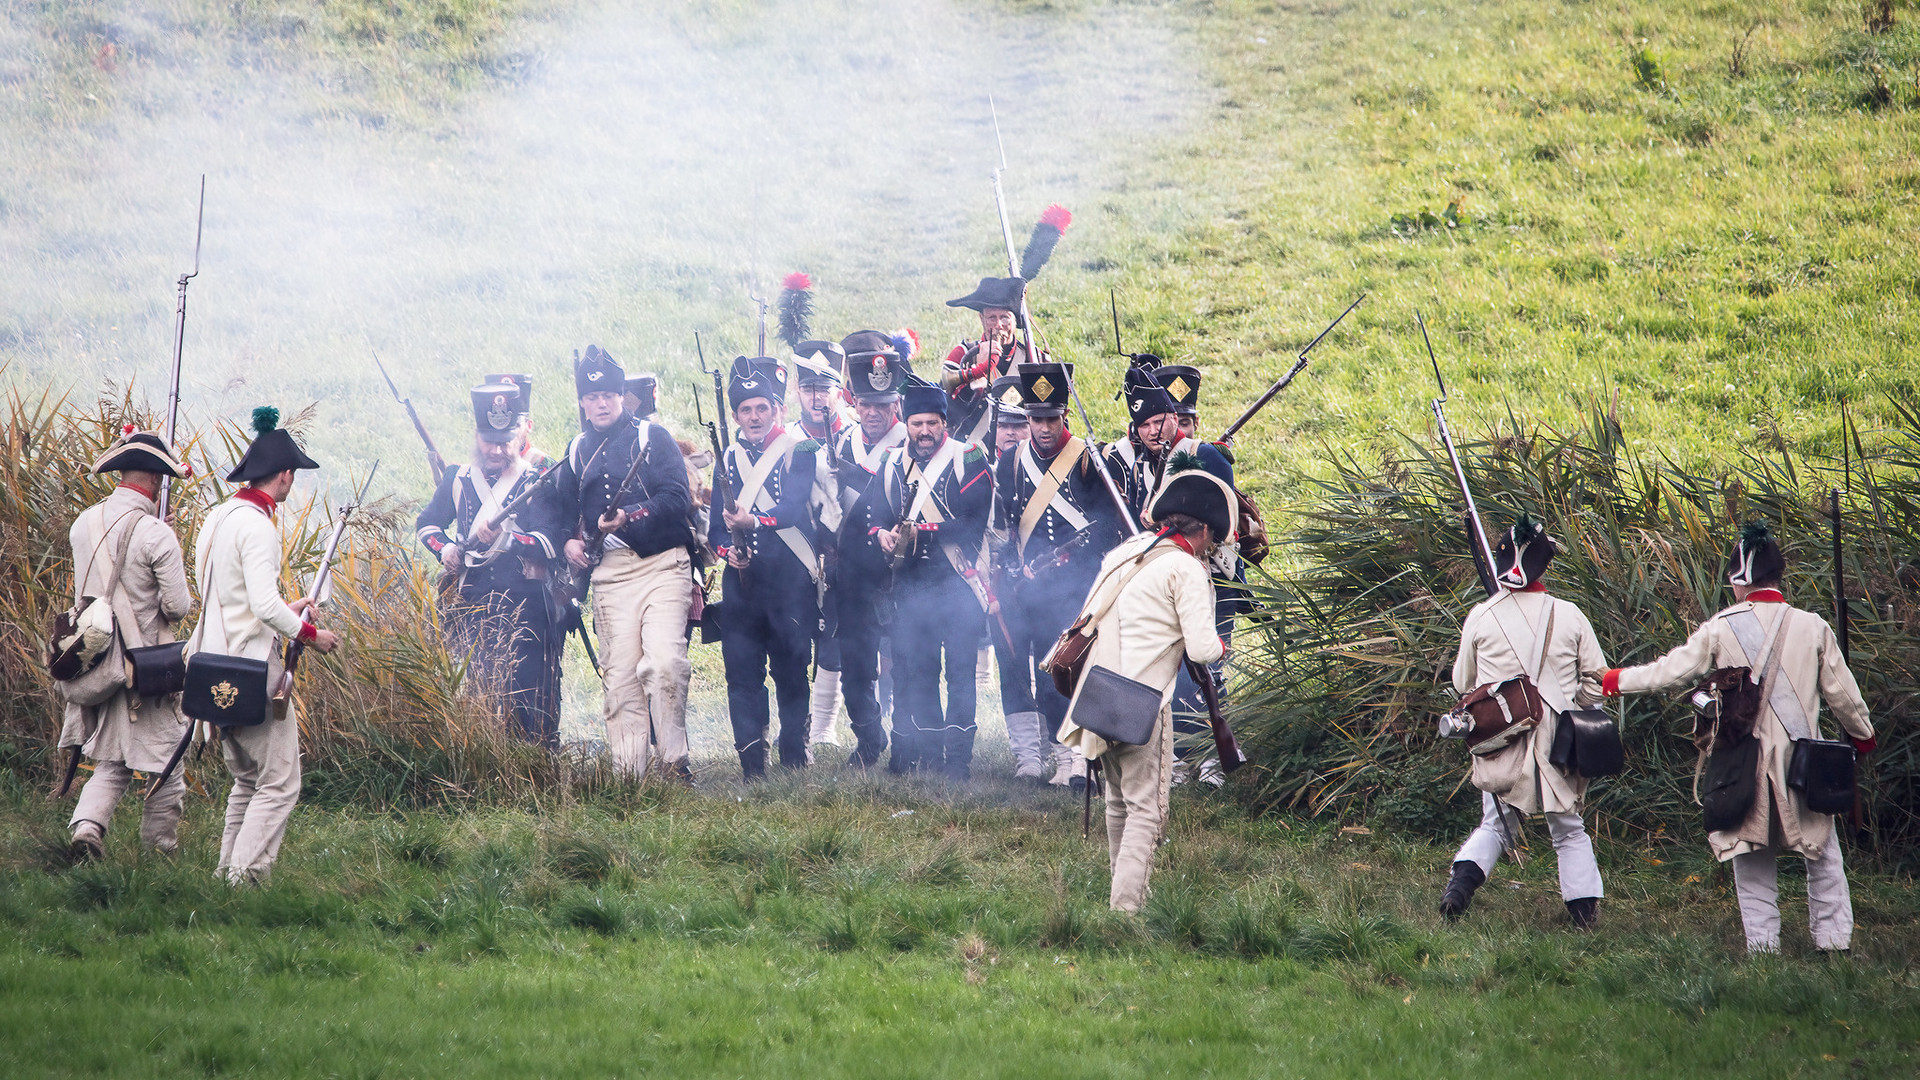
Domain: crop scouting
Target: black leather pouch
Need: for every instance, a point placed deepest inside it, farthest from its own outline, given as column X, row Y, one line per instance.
column 1732, row 782
column 1116, row 708
column 157, row 670
column 225, row 691
column 1822, row 771
column 1587, row 742
column 712, row 623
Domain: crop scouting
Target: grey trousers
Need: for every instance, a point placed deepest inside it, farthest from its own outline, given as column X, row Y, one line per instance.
column 1137, row 779
column 1572, row 847
column 1829, row 901
column 159, row 816
column 265, row 763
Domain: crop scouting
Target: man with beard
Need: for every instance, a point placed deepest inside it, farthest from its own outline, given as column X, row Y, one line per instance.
column 499, row 602
column 1058, row 521
column 618, row 507
column 935, row 496
column 858, row 588
column 768, row 538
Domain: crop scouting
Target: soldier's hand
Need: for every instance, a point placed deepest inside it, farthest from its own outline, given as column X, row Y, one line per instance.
column 325, row 640
column 301, row 605
column 739, row 520
column 577, row 554
column 450, row 558
column 485, row 532
column 888, row 540
column 738, row 558
column 612, row 520
column 1589, row 693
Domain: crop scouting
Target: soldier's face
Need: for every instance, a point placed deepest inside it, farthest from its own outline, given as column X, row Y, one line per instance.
column 996, row 324
column 756, row 418
column 1010, row 435
column 1159, row 432
column 925, row 432
column 815, row 403
column 876, row 417
column 1187, row 425
column 603, row 407
column 1048, row 433
column 493, row 457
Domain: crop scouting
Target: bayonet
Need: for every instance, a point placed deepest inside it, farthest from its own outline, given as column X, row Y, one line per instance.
column 1477, row 533
column 435, row 463
column 1299, row 365
column 179, row 347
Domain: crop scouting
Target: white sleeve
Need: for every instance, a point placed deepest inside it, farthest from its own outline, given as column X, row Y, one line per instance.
column 260, row 566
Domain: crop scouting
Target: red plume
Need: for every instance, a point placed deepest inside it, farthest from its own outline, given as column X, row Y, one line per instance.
column 1057, row 216
column 796, row 280
column 127, row 429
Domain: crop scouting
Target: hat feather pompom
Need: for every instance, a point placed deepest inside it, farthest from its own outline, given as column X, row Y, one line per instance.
column 1046, row 236
column 265, row 419
column 1183, row 462
column 1754, row 533
column 906, row 342
column 796, row 309
column 1525, row 529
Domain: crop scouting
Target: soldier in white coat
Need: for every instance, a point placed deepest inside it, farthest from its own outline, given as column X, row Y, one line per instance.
column 237, row 561
column 1503, row 637
column 1152, row 605
column 1761, row 627
column 126, row 732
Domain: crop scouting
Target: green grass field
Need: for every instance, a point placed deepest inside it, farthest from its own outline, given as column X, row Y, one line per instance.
column 1584, row 199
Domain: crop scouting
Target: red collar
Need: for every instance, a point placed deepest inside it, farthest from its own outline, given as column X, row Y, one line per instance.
column 1538, row 586
column 258, row 498
column 151, row 496
column 1766, row 596
column 1185, row 544
column 773, row 433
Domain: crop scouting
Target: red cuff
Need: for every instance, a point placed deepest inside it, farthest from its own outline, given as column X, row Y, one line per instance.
column 767, row 521
column 1610, row 682
column 308, row 631
column 928, row 526
column 1863, row 747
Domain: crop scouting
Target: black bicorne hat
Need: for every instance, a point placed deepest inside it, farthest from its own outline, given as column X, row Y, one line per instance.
column 1190, row 489
column 1182, row 384
column 818, row 363
column 921, row 396
column 1004, row 293
column 497, row 410
column 645, row 389
column 1756, row 559
column 1523, row 554
column 273, row 450
column 1146, row 398
column 1008, row 402
column 521, row 380
column 141, row 451
column 1044, row 387
column 596, row 372
column 757, row 376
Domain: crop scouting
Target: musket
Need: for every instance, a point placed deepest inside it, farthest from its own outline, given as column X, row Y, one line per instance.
column 435, row 463
column 1224, row 744
column 717, row 431
column 763, row 323
column 1299, row 365
column 179, row 351
column 1840, row 605
column 577, row 624
column 451, row 580
column 1477, row 533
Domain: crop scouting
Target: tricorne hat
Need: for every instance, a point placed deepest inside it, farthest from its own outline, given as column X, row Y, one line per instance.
column 141, row 451
column 1523, row 554
column 1044, row 387
column 1008, row 403
column 1757, row 558
column 921, row 396
column 757, row 376
column 1188, row 488
column 497, row 410
column 1146, row 398
column 596, row 372
column 1004, row 293
column 1182, row 384
column 272, row 451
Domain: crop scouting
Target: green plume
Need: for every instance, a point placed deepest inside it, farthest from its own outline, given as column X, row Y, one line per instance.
column 265, row 419
column 1525, row 529
column 1755, row 532
column 1183, row 461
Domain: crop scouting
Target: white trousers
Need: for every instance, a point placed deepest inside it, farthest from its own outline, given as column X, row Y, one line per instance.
column 1572, row 847
column 159, row 816
column 1829, row 901
column 640, row 612
column 265, row 763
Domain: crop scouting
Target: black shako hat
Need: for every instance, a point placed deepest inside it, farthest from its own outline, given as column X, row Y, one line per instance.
column 1008, row 402
column 757, row 376
column 523, row 381
column 272, row 452
column 818, row 363
column 497, row 410
column 1146, row 398
column 596, row 372
column 875, row 369
column 921, row 396
column 1004, row 293
column 1523, row 554
column 1044, row 388
column 141, row 451
column 1756, row 559
column 1190, row 489
column 644, row 389
column 1182, row 384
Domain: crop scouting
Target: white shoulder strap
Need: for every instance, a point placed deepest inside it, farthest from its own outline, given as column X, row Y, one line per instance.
column 1763, row 658
column 1527, row 643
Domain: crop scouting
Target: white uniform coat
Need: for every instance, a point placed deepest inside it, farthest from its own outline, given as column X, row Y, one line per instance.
column 1486, row 656
column 237, row 560
column 1810, row 660
column 141, row 734
column 1162, row 617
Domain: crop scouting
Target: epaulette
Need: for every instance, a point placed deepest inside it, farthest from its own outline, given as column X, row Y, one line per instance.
column 810, row 446
column 975, row 452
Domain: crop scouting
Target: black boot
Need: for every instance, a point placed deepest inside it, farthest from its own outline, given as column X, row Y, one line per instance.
column 1466, row 880
column 1585, row 912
